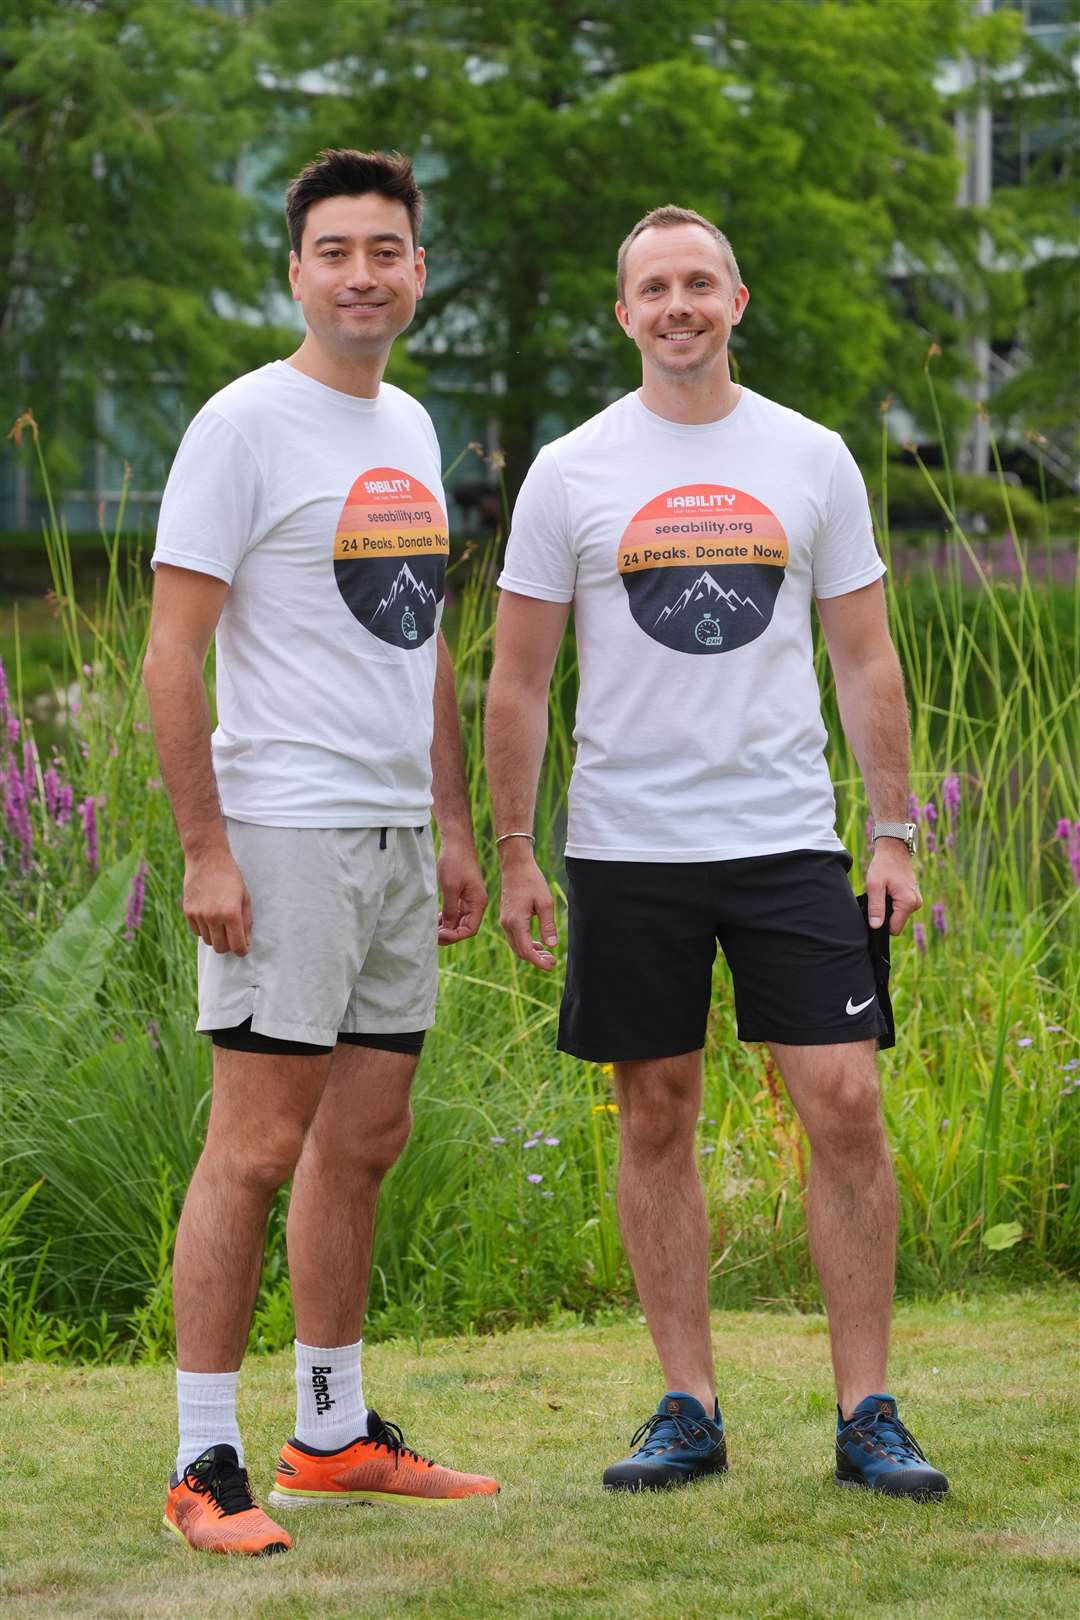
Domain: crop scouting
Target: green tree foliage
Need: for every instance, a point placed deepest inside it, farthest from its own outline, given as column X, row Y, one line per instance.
column 126, row 249
column 1035, row 110
column 813, row 133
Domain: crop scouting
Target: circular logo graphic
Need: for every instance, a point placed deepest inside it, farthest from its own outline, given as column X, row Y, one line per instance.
column 390, row 554
column 703, row 566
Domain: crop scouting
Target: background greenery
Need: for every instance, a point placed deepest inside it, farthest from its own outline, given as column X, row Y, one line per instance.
column 145, row 144
column 502, row 1210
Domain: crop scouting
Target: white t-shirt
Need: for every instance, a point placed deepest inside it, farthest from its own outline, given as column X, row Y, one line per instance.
column 325, row 514
column 690, row 554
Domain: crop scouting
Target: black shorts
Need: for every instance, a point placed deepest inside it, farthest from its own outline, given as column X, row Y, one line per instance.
column 242, row 1038
column 642, row 940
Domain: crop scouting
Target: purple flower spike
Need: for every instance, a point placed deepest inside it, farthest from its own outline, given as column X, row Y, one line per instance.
column 920, row 937
column 88, row 812
column 136, row 901
column 154, row 1033
column 532, row 1142
column 534, row 1178
column 551, row 1141
column 65, row 804
column 930, row 812
column 497, row 1141
column 912, row 807
column 1026, row 1040
column 51, row 784
column 13, row 728
column 30, row 767
column 1064, row 828
column 17, row 811
column 937, row 916
column 950, row 795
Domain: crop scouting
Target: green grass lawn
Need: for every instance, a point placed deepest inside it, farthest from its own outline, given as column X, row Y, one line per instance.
column 988, row 1386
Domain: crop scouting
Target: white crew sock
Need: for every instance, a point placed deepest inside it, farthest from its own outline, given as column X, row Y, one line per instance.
column 330, row 1410
column 207, row 1403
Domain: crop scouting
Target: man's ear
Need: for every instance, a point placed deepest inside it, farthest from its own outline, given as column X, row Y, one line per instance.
column 622, row 315
column 294, row 274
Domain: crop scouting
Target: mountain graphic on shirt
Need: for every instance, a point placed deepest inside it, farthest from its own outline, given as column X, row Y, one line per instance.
column 405, row 585
column 705, row 589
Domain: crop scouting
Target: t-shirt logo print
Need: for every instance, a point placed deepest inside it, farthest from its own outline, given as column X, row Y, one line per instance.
column 390, row 554
column 703, row 566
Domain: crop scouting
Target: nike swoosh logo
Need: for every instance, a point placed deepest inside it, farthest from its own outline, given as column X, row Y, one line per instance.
column 851, row 1011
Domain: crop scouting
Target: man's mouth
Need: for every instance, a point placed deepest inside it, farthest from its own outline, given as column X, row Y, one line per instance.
column 682, row 335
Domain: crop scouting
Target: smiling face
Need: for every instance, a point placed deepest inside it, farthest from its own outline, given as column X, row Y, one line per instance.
column 681, row 301
column 358, row 275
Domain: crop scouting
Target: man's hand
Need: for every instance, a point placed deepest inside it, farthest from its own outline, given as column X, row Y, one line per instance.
column 525, row 895
column 217, row 905
column 890, row 872
column 464, row 896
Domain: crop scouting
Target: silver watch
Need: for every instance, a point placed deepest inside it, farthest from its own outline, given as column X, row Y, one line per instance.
column 906, row 831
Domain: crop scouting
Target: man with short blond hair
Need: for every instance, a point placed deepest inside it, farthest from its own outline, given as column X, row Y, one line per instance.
column 691, row 524
column 669, row 215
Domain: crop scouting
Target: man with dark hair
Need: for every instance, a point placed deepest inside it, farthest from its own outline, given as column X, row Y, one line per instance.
column 691, row 524
column 304, row 522
column 337, row 173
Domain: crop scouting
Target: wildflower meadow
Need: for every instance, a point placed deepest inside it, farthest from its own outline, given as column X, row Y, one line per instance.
column 502, row 1209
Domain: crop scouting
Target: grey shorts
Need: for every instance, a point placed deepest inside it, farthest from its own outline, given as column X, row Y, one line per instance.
column 344, row 934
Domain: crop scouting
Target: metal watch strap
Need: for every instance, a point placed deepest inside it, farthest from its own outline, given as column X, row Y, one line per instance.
column 906, row 831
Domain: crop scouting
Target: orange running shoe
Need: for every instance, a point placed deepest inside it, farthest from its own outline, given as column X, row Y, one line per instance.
column 213, row 1510
column 380, row 1467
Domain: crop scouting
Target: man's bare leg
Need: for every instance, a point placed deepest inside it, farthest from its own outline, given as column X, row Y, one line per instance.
column 662, row 1214
column 261, row 1107
column 359, row 1130
column 852, row 1217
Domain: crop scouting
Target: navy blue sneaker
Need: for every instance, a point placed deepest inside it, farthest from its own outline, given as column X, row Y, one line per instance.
column 875, row 1450
column 677, row 1444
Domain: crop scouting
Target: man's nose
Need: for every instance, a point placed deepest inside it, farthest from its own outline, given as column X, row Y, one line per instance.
column 361, row 274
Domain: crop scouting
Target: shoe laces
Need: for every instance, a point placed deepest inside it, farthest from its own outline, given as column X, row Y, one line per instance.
column 655, row 1433
column 381, row 1433
column 225, row 1483
column 883, row 1429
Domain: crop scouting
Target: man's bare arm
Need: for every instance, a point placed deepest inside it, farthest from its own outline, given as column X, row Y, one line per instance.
column 461, row 884
column 527, row 637
column 873, row 712
column 186, row 609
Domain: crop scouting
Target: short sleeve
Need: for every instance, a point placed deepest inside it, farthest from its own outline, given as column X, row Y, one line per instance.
column 432, row 437
column 845, row 555
column 540, row 558
column 213, row 502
